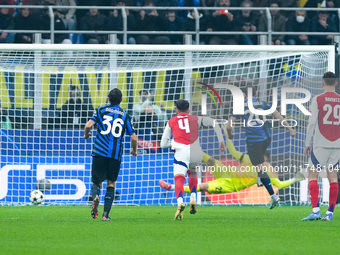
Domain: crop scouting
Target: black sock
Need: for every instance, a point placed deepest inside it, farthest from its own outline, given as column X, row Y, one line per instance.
column 95, row 190
column 109, row 196
column 266, row 182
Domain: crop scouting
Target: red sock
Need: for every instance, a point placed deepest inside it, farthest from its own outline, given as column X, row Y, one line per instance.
column 192, row 181
column 179, row 185
column 333, row 195
column 314, row 193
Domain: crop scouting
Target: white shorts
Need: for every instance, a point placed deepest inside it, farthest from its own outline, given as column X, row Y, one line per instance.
column 187, row 158
column 324, row 158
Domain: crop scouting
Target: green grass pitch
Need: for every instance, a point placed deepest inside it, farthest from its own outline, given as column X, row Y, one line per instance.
column 152, row 230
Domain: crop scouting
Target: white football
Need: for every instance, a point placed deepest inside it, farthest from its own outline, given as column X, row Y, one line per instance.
column 36, row 197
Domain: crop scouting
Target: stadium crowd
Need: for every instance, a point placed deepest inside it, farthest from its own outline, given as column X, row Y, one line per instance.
column 94, row 19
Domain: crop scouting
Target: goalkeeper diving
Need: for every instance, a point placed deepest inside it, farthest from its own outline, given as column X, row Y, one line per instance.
column 233, row 179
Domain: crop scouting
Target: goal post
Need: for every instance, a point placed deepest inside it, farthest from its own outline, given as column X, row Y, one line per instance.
column 48, row 92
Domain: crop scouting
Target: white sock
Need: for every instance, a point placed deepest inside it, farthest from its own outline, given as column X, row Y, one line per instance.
column 316, row 209
column 172, row 187
column 329, row 212
column 180, row 200
column 193, row 196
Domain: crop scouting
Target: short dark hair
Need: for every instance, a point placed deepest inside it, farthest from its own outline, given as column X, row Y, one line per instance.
column 329, row 78
column 182, row 105
column 245, row 90
column 115, row 96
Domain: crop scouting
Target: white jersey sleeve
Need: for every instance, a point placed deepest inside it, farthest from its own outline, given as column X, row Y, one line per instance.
column 166, row 137
column 312, row 121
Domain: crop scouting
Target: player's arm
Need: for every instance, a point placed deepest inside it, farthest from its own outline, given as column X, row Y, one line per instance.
column 131, row 132
column 278, row 116
column 231, row 120
column 134, row 145
column 165, row 141
column 87, row 128
column 311, row 126
column 90, row 124
column 209, row 122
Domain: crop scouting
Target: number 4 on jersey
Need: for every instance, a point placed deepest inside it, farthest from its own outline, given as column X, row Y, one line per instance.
column 184, row 125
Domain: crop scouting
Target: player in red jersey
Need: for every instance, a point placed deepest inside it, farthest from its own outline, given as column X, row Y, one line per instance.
column 185, row 143
column 325, row 124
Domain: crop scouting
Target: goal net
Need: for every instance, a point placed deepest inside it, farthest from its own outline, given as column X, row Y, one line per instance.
column 49, row 92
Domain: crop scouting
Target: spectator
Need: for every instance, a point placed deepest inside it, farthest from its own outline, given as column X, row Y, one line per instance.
column 247, row 21
column 278, row 24
column 187, row 3
column 333, row 15
column 322, row 23
column 149, row 118
column 151, row 20
column 115, row 23
column 24, row 21
column 94, row 20
column 262, row 4
column 80, row 13
column 15, row 2
column 332, row 3
column 209, row 3
column 44, row 24
column 35, row 12
column 6, row 23
column 67, row 15
column 74, row 113
column 173, row 23
column 223, row 20
column 190, row 25
column 298, row 22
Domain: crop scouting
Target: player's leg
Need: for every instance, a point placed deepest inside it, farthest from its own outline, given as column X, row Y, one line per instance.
column 332, row 175
column 113, row 168
column 98, row 176
column 313, row 188
column 193, row 181
column 180, row 168
column 95, row 191
column 256, row 154
column 196, row 157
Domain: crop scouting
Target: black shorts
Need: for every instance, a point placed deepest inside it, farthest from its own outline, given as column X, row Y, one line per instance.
column 104, row 169
column 256, row 151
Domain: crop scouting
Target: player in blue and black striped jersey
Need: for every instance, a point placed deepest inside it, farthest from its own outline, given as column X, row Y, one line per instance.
column 258, row 138
column 112, row 123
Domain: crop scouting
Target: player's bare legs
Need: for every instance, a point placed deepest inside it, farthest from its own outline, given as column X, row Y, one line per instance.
column 109, row 197
column 95, row 191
